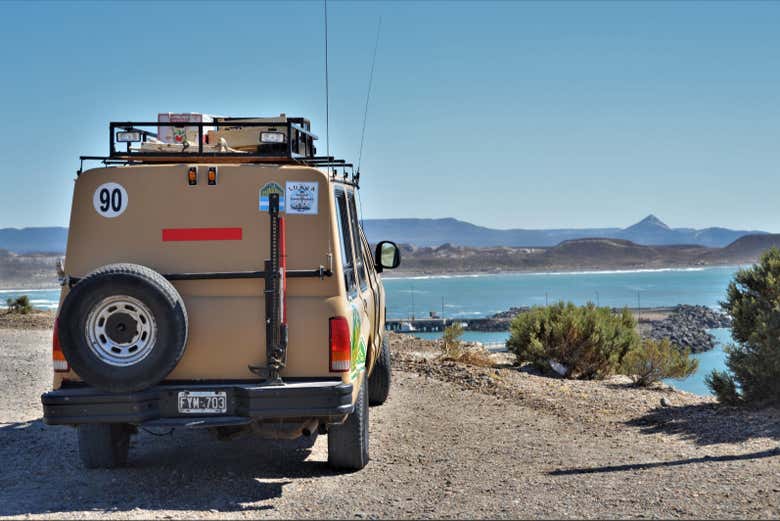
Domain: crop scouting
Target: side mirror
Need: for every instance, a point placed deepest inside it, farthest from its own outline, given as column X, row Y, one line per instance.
column 387, row 256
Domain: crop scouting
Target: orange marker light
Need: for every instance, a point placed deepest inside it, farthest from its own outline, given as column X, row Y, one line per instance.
column 212, row 177
column 192, row 176
column 57, row 356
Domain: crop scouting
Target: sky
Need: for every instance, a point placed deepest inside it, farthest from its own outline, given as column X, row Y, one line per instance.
column 507, row 114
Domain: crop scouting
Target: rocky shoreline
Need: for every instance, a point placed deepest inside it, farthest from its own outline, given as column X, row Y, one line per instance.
column 687, row 327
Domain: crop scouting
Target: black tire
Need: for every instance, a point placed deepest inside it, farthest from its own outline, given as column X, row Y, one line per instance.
column 379, row 381
column 104, row 445
column 348, row 442
column 161, row 300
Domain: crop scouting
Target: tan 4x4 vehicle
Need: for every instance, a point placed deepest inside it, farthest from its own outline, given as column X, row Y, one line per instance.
column 219, row 278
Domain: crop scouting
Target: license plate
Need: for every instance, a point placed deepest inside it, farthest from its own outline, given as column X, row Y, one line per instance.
column 200, row 402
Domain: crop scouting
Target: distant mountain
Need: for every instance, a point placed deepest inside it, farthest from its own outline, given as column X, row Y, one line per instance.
column 747, row 249
column 650, row 231
column 27, row 240
column 434, row 232
column 578, row 255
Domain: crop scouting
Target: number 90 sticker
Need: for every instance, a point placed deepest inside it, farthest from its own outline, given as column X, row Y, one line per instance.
column 110, row 200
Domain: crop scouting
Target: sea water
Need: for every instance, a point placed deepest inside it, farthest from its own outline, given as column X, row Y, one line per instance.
column 472, row 296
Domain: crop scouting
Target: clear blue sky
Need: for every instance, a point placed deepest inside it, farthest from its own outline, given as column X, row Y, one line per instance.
column 506, row 114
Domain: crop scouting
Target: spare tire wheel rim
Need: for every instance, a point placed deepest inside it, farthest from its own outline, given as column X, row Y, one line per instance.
column 121, row 330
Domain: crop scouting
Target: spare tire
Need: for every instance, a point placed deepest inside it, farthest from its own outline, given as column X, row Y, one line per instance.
column 123, row 328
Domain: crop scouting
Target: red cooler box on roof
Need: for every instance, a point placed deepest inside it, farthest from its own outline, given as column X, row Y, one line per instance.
column 178, row 135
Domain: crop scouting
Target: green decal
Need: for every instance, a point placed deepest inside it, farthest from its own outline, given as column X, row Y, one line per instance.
column 358, row 346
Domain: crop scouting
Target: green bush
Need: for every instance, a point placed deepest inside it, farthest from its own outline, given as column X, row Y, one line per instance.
column 753, row 301
column 589, row 341
column 724, row 387
column 19, row 305
column 654, row 360
column 450, row 340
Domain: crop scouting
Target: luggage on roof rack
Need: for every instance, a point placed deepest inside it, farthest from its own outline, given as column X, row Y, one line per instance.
column 245, row 139
column 202, row 138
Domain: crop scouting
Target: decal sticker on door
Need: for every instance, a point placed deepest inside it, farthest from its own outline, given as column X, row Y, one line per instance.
column 268, row 189
column 302, row 198
column 358, row 347
column 110, row 200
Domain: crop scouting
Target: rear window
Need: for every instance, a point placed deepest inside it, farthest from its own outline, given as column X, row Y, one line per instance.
column 345, row 242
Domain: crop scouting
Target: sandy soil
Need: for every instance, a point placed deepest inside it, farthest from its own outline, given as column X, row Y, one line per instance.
column 451, row 441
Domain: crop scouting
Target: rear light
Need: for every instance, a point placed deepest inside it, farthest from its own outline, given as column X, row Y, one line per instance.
column 212, row 175
column 57, row 356
column 339, row 345
column 192, row 176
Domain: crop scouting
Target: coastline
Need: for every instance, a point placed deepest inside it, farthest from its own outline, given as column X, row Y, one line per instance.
column 435, row 274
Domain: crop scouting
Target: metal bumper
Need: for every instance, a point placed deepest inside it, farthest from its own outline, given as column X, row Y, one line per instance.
column 328, row 401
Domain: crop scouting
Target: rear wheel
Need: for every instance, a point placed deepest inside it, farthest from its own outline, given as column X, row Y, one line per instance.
column 379, row 381
column 348, row 442
column 104, row 445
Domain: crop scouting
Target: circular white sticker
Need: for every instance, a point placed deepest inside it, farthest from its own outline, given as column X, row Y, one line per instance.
column 110, row 200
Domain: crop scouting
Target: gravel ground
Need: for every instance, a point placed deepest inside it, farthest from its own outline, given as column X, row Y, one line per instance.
column 450, row 442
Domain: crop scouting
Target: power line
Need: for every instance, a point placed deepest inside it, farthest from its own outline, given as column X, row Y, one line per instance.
column 327, row 106
column 368, row 93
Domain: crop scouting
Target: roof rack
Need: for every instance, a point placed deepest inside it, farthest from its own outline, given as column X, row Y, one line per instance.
column 290, row 140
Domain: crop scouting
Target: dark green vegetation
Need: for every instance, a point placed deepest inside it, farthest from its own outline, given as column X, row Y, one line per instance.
column 19, row 305
column 753, row 301
column 587, row 341
column 654, row 360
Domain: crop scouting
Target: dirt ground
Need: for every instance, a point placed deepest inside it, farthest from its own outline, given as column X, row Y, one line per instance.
column 451, row 442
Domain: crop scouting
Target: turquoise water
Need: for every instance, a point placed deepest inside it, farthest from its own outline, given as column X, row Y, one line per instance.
column 481, row 295
column 471, row 336
column 478, row 296
column 709, row 360
column 463, row 297
column 40, row 298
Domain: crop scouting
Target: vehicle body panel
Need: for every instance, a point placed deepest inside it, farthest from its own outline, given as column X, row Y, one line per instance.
column 227, row 317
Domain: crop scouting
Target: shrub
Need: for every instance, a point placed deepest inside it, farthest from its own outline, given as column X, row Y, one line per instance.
column 20, row 305
column 654, row 360
column 478, row 356
column 724, row 387
column 589, row 341
column 450, row 340
column 753, row 362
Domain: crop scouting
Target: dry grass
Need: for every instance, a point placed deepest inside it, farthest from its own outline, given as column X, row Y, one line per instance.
column 36, row 319
column 477, row 356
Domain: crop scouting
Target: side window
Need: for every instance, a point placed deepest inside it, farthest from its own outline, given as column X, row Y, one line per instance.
column 370, row 267
column 360, row 264
column 345, row 242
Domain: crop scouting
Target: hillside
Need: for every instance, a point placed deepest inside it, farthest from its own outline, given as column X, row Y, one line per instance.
column 34, row 270
column 435, row 232
column 580, row 254
column 746, row 249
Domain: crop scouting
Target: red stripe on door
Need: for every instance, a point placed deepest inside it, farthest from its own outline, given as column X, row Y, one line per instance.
column 201, row 234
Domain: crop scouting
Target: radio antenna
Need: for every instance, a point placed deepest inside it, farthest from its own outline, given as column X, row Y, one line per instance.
column 368, row 95
column 327, row 106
